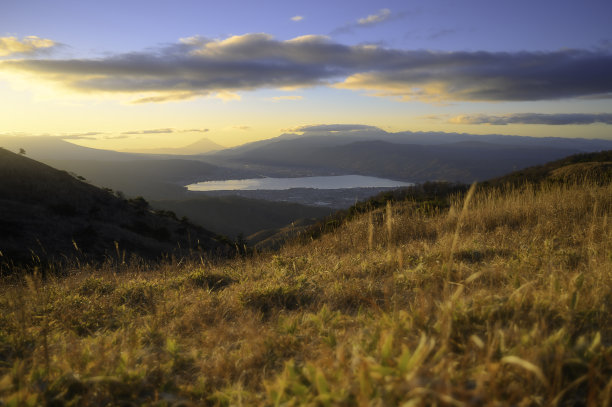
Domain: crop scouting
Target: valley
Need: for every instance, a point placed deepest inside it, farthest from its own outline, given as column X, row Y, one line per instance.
column 166, row 179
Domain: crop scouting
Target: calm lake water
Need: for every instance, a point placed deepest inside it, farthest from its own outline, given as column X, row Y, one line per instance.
column 329, row 182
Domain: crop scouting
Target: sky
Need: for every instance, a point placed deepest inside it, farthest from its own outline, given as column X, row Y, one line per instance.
column 135, row 74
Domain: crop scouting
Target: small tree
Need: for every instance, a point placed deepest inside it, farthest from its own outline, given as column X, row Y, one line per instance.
column 22, row 151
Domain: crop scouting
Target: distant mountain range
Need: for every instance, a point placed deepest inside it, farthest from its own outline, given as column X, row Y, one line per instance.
column 330, row 139
column 415, row 157
column 408, row 156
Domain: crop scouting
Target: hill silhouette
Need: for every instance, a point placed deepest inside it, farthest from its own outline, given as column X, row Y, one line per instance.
column 47, row 215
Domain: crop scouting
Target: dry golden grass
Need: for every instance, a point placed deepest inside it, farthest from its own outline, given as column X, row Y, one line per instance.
column 505, row 300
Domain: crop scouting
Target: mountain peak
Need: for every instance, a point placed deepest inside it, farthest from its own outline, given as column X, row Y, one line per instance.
column 202, row 146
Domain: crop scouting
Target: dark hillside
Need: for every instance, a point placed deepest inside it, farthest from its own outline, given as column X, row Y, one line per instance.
column 47, row 214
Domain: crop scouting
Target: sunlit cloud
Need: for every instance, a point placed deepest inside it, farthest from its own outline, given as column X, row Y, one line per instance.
column 534, row 118
column 243, row 128
column 26, row 45
column 199, row 67
column 227, row 96
column 297, row 18
column 377, row 18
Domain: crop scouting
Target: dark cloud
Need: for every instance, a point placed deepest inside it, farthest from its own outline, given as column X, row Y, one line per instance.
column 534, row 118
column 197, row 66
column 333, row 128
column 486, row 76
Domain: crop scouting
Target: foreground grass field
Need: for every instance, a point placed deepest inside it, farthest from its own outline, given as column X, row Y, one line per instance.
column 506, row 299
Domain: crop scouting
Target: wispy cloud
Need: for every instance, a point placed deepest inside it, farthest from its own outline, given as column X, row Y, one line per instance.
column 242, row 128
column 534, row 118
column 26, row 45
column 119, row 137
column 153, row 131
column 169, row 97
column 377, row 18
column 195, row 131
column 297, row 18
column 196, row 67
column 441, row 33
column 91, row 135
column 373, row 19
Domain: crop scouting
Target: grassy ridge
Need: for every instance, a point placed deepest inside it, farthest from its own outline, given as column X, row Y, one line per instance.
column 504, row 298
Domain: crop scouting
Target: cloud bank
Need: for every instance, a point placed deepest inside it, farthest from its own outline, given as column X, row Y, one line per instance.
column 534, row 118
column 197, row 66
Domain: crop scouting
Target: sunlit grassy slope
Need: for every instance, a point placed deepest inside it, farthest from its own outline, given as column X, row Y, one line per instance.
column 505, row 299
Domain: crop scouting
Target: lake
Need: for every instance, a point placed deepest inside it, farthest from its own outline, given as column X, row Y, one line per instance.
column 276, row 184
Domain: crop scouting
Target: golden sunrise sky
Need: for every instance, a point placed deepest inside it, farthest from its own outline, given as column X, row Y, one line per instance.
column 143, row 74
